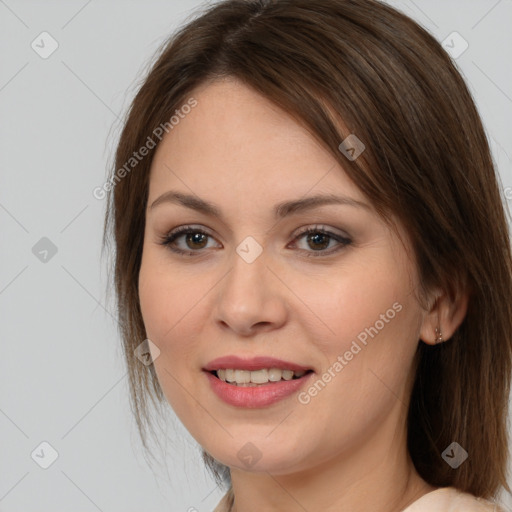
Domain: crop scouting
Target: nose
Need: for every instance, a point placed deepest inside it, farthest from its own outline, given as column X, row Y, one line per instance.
column 251, row 298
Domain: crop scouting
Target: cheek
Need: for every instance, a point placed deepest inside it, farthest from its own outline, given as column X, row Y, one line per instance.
column 370, row 322
column 359, row 297
column 169, row 304
column 171, row 323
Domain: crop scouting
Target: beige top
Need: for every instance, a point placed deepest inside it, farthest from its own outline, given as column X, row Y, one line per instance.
column 445, row 499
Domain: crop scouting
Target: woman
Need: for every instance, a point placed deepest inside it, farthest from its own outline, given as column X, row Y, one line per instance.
column 312, row 251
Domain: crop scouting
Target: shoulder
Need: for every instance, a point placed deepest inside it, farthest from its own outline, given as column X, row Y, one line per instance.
column 445, row 499
column 450, row 499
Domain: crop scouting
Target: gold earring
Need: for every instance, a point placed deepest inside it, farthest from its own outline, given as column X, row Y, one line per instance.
column 439, row 336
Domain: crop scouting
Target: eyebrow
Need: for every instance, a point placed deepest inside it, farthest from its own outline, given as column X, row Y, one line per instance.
column 281, row 210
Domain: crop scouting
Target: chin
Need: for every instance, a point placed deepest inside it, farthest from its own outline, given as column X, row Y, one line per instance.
column 261, row 456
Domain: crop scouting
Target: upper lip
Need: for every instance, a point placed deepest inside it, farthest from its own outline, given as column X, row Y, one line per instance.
column 252, row 364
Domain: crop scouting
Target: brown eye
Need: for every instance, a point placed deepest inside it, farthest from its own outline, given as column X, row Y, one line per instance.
column 195, row 240
column 319, row 239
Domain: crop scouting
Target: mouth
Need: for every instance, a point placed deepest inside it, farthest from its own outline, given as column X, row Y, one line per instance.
column 255, row 378
column 257, row 381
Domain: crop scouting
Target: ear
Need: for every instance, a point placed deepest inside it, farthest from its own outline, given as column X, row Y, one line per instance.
column 445, row 313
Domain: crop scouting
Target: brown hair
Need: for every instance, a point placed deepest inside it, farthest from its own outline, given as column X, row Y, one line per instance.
column 427, row 162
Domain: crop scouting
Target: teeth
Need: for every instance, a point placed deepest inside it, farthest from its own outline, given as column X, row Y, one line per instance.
column 287, row 374
column 248, row 378
column 242, row 376
column 274, row 375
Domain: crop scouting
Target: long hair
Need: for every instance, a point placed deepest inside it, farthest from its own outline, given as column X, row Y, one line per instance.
column 427, row 162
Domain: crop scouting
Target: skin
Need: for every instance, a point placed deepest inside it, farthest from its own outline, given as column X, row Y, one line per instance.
column 346, row 448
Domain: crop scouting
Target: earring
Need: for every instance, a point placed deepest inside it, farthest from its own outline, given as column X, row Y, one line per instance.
column 439, row 336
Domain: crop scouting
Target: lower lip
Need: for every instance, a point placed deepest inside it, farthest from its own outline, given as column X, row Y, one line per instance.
column 255, row 396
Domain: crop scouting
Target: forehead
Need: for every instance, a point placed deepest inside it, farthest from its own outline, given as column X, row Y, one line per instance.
column 235, row 141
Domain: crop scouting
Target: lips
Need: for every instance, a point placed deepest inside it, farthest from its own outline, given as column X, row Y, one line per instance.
column 253, row 364
column 251, row 395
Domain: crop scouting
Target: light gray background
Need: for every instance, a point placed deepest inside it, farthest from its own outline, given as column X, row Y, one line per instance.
column 61, row 372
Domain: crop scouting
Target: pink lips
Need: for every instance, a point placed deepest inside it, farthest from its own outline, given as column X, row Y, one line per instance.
column 257, row 396
column 253, row 363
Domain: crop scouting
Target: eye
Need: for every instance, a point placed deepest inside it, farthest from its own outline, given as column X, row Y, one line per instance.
column 196, row 239
column 319, row 239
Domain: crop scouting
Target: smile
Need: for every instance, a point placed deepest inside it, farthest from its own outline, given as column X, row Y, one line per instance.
column 258, row 377
column 256, row 394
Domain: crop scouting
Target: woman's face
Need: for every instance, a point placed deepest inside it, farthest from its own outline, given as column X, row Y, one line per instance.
column 339, row 306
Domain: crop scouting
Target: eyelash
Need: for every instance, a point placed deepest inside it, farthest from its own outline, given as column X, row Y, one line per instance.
column 168, row 239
